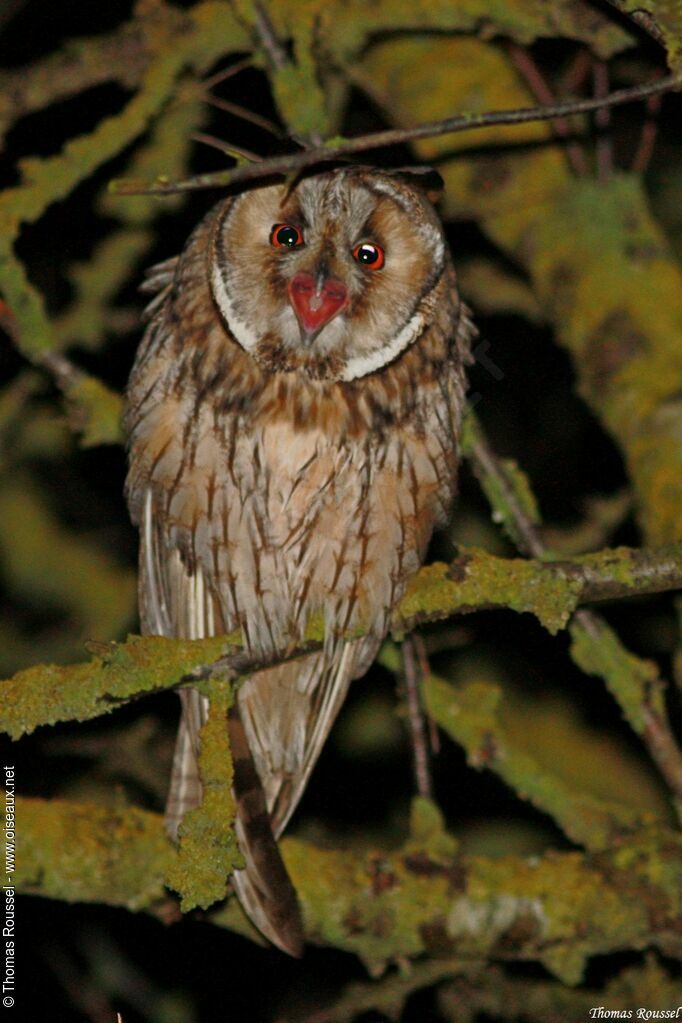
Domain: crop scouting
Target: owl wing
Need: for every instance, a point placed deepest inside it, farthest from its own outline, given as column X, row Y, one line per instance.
column 277, row 729
column 177, row 602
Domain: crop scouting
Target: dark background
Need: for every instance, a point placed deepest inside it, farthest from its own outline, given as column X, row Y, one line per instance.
column 78, row 963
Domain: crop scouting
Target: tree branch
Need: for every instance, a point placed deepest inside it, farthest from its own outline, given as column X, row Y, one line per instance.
column 634, row 683
column 561, row 126
column 420, row 899
column 474, row 581
column 290, row 164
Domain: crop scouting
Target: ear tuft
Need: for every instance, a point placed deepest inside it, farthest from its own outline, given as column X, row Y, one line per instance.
column 425, row 178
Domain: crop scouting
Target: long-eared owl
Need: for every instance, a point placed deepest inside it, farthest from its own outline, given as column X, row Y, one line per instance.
column 292, row 418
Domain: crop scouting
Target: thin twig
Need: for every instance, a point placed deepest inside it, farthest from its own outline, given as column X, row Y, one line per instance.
column 561, row 126
column 268, row 37
column 227, row 148
column 415, row 717
column 230, row 72
column 575, row 74
column 425, row 669
column 647, row 139
column 657, row 736
column 642, row 19
column 246, row 115
column 283, row 165
column 602, row 118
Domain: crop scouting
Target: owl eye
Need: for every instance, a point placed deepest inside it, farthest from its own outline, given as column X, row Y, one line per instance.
column 286, row 236
column 369, row 255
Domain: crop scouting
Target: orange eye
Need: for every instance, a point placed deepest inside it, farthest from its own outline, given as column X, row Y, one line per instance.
column 370, row 255
column 286, row 236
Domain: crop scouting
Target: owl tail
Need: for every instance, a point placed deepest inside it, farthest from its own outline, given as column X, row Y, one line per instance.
column 263, row 887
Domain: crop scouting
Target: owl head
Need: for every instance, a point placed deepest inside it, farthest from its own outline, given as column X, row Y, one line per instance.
column 332, row 278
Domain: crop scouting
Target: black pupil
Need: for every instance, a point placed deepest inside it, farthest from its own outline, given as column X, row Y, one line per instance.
column 287, row 236
column 367, row 254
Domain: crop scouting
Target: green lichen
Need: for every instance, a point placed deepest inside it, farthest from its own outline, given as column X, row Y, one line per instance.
column 666, row 18
column 46, row 694
column 89, row 853
column 348, row 25
column 473, row 581
column 634, row 682
column 478, row 579
column 296, row 86
column 208, row 851
column 95, row 411
column 472, row 715
column 428, row 833
column 508, row 491
column 384, row 905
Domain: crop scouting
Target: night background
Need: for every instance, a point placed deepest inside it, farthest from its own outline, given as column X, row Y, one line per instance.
column 568, row 253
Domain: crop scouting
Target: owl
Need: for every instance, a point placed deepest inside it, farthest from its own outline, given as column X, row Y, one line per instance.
column 292, row 421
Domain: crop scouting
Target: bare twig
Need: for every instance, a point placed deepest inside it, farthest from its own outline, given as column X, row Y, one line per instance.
column 561, row 126
column 415, row 716
column 602, row 118
column 425, row 669
column 229, row 72
column 657, row 735
column 647, row 139
column 227, row 148
column 268, row 37
column 246, row 115
column 643, row 19
column 575, row 74
column 283, row 165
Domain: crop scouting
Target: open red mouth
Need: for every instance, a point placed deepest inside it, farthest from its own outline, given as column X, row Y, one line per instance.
column 315, row 303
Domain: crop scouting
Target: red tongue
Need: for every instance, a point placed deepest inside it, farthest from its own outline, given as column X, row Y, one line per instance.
column 313, row 310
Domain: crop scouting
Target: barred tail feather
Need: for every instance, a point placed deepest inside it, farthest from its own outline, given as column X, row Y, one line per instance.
column 263, row 887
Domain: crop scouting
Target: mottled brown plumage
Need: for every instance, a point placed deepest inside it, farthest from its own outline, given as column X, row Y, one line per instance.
column 292, row 420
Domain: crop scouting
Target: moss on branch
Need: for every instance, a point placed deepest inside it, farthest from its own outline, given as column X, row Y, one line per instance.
column 472, row 714
column 552, row 591
column 419, row 899
column 207, row 850
column 120, row 672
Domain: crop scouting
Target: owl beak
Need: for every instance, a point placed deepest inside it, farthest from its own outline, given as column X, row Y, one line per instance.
column 316, row 300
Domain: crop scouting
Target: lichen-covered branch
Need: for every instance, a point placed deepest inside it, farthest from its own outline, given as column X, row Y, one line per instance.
column 172, row 44
column 79, row 65
column 660, row 19
column 207, row 850
column 637, row 686
column 118, row 673
column 475, row 580
column 419, row 899
column 551, row 591
column 634, row 682
column 473, row 715
column 467, row 989
column 598, row 263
